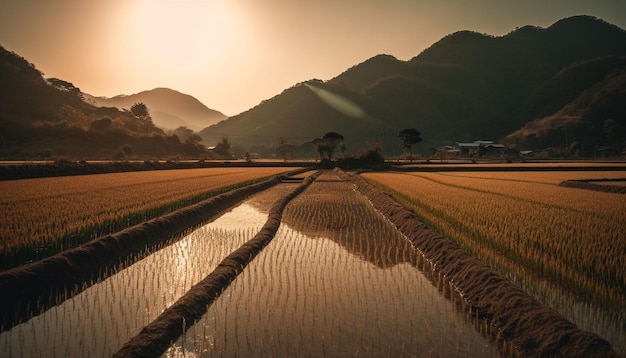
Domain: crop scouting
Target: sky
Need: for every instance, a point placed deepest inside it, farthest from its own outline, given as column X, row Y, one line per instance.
column 233, row 54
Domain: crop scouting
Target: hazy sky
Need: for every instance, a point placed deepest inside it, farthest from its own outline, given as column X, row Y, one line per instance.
column 232, row 54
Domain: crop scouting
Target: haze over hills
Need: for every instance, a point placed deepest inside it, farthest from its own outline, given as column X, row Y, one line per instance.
column 562, row 86
column 169, row 109
column 48, row 118
column 466, row 87
column 301, row 116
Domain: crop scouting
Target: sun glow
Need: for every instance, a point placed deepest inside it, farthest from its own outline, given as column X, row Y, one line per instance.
column 185, row 33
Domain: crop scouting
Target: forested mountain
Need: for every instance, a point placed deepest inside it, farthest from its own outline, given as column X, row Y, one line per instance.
column 562, row 86
column 169, row 109
column 594, row 116
column 48, row 118
column 467, row 86
column 301, row 114
column 472, row 86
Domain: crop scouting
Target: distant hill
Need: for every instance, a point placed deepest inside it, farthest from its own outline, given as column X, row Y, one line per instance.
column 49, row 119
column 593, row 121
column 467, row 86
column 169, row 109
column 472, row 86
column 300, row 114
column 561, row 86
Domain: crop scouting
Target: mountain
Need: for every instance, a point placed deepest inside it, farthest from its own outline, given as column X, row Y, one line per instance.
column 467, row 86
column 48, row 118
column 169, row 109
column 594, row 118
column 471, row 86
column 302, row 113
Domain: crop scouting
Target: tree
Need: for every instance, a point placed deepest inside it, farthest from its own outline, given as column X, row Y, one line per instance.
column 140, row 110
column 223, row 148
column 331, row 141
column 284, row 148
column 408, row 138
column 187, row 135
column 320, row 147
column 66, row 87
column 71, row 115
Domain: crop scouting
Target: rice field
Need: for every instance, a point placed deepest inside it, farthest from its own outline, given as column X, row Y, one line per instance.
column 40, row 217
column 621, row 183
column 340, row 280
column 563, row 245
column 97, row 321
column 337, row 280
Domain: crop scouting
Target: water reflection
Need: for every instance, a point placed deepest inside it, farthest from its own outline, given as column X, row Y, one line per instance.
column 350, row 225
column 604, row 321
column 310, row 295
column 337, row 280
column 97, row 321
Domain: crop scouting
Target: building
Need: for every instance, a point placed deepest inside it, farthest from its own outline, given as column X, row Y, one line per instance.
column 480, row 148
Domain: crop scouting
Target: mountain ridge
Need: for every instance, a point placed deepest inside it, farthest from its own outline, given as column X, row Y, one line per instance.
column 49, row 119
column 493, row 75
column 169, row 108
column 465, row 87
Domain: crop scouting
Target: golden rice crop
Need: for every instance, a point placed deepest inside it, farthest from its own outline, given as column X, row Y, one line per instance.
column 526, row 225
column 547, row 177
column 39, row 217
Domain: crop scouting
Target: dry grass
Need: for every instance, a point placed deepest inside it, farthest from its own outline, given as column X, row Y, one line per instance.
column 39, row 217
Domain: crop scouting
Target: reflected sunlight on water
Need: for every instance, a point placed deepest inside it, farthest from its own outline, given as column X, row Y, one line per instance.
column 97, row 321
column 310, row 295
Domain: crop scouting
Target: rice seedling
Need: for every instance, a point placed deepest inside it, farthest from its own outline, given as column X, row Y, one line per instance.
column 337, row 280
column 550, row 239
column 40, row 217
column 100, row 319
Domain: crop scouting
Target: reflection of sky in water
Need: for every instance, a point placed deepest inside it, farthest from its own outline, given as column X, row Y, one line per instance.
column 244, row 215
column 97, row 321
column 310, row 295
column 323, row 294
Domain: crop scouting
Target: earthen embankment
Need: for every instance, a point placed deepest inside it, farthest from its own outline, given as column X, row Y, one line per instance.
column 515, row 319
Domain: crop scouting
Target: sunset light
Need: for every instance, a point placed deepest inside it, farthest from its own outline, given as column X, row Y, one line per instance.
column 234, row 54
column 330, row 178
column 185, row 36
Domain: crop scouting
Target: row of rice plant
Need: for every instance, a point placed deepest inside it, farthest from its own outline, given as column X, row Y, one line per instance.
column 40, row 217
column 100, row 319
column 337, row 280
column 536, row 232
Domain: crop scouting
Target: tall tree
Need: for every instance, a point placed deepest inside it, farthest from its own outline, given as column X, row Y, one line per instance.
column 408, row 138
column 223, row 148
column 332, row 141
column 320, row 146
column 284, row 148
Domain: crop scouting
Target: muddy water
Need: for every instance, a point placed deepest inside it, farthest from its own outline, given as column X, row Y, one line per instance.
column 337, row 280
column 96, row 322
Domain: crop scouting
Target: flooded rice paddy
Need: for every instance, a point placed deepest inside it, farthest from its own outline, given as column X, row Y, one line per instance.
column 100, row 319
column 337, row 280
